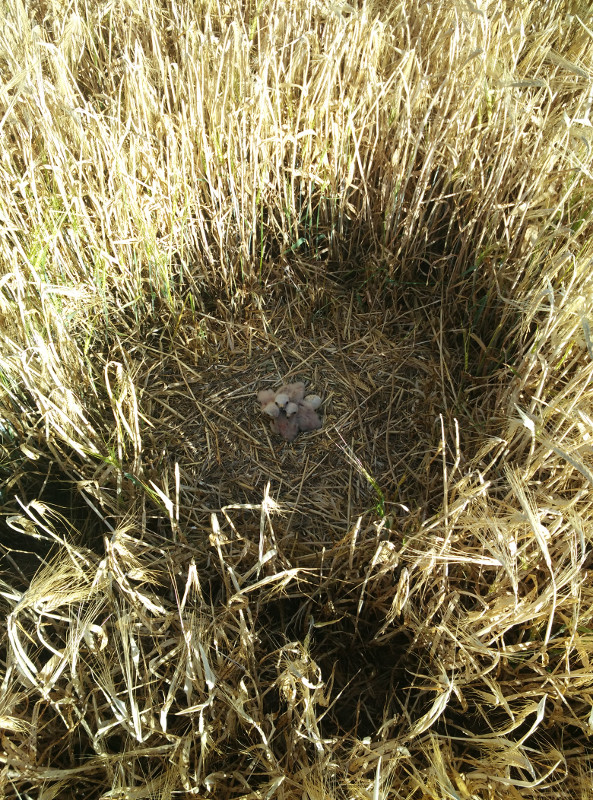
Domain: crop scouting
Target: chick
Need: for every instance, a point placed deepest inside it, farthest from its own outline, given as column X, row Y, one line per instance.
column 266, row 396
column 294, row 391
column 291, row 408
column 307, row 418
column 271, row 409
column 282, row 400
column 287, row 427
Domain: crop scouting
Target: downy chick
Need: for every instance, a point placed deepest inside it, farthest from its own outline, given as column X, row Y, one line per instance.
column 294, row 391
column 271, row 409
column 287, row 427
column 291, row 408
column 282, row 400
column 307, row 418
column 266, row 396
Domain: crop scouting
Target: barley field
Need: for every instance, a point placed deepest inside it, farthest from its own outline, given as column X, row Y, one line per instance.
column 392, row 203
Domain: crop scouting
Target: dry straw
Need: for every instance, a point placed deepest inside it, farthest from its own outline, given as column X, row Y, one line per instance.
column 391, row 202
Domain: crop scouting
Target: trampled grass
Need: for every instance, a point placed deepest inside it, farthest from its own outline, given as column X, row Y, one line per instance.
column 392, row 202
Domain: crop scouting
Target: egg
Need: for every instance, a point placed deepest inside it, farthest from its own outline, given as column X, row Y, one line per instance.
column 313, row 400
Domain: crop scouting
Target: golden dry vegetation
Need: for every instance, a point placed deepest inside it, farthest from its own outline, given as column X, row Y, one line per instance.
column 392, row 202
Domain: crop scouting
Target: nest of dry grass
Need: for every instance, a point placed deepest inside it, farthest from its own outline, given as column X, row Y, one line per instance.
column 392, row 205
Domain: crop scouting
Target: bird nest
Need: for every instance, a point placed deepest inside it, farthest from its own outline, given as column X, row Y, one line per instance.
column 380, row 379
